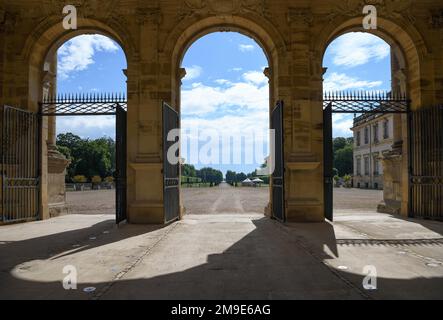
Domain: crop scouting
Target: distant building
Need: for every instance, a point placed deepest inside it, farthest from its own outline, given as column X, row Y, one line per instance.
column 373, row 135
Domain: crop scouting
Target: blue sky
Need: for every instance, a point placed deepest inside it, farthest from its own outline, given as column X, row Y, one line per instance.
column 224, row 89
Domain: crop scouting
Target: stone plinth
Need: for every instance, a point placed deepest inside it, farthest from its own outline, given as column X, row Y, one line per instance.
column 57, row 164
column 392, row 193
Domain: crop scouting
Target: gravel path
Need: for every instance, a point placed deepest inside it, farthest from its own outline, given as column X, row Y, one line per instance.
column 223, row 200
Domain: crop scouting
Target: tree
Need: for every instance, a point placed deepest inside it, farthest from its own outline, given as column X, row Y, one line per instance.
column 210, row 175
column 344, row 160
column 88, row 158
column 241, row 177
column 339, row 143
column 95, row 159
column 189, row 171
column 343, row 156
column 231, row 177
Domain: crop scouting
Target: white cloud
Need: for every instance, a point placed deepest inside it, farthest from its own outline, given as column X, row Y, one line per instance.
column 229, row 126
column 193, row 72
column 252, row 94
column 235, row 70
column 78, row 53
column 222, row 82
column 358, row 48
column 342, row 125
column 256, row 77
column 87, row 126
column 246, row 47
column 340, row 81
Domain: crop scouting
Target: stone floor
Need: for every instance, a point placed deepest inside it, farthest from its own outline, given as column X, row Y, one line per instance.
column 224, row 256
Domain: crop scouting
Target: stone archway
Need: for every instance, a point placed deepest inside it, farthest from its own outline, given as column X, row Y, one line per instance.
column 185, row 35
column 41, row 55
column 190, row 34
column 408, row 51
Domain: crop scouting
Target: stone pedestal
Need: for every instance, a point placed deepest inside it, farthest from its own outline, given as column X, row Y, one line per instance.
column 57, row 165
column 304, row 201
column 392, row 194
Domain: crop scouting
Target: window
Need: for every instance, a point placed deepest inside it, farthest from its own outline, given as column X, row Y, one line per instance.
column 367, row 166
column 358, row 166
column 376, row 137
column 366, row 135
column 376, row 166
column 386, row 129
column 358, row 140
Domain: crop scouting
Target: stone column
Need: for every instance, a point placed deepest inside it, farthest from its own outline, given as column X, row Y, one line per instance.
column 148, row 80
column 57, row 162
column 396, row 161
column 303, row 122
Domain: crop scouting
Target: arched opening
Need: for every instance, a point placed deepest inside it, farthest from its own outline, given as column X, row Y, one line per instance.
column 83, row 80
column 225, row 107
column 369, row 148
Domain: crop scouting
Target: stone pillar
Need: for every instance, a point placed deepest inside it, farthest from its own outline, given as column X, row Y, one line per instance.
column 396, row 161
column 393, row 181
column 57, row 162
column 303, row 122
column 148, row 85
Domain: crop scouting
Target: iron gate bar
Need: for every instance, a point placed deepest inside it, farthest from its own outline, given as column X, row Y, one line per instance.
column 426, row 172
column 366, row 102
column 102, row 104
column 328, row 163
column 20, row 185
column 278, row 176
column 171, row 172
column 121, row 164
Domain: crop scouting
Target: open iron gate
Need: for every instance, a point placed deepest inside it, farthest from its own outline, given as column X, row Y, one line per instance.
column 20, row 166
column 278, row 182
column 171, row 168
column 120, row 164
column 426, row 185
column 328, row 163
column 103, row 104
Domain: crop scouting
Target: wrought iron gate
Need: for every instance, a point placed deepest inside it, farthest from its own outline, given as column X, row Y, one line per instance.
column 426, row 185
column 356, row 103
column 120, row 163
column 171, row 169
column 99, row 105
column 20, row 166
column 278, row 182
column 328, row 163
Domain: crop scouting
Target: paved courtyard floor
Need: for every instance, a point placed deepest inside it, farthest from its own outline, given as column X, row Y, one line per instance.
column 223, row 256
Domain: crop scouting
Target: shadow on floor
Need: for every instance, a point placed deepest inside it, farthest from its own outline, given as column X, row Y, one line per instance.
column 266, row 264
column 55, row 246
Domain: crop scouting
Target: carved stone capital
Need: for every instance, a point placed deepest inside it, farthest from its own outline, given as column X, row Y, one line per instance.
column 182, row 73
column 268, row 73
